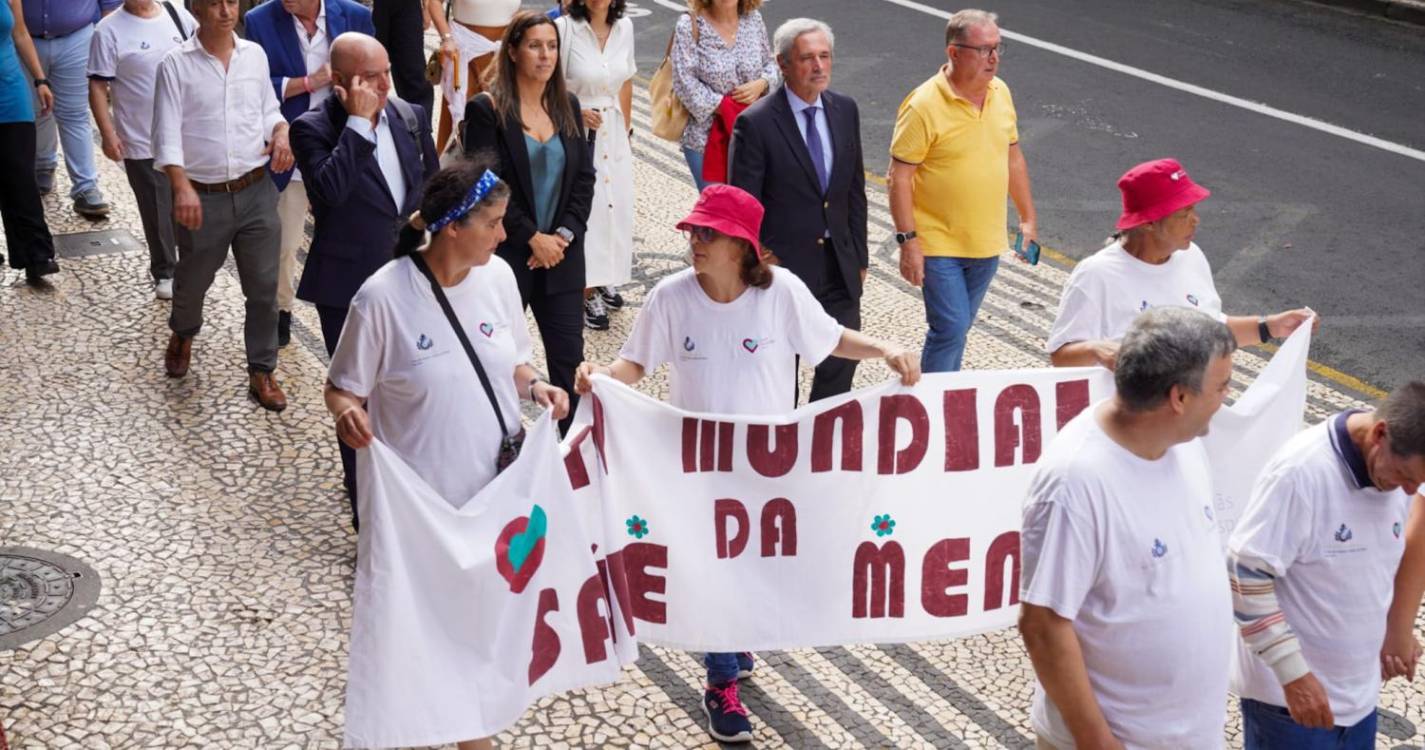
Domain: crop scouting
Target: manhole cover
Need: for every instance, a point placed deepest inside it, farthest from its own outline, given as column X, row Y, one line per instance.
column 41, row 592
column 85, row 244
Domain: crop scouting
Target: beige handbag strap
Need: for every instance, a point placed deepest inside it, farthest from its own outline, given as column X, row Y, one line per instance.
column 693, row 21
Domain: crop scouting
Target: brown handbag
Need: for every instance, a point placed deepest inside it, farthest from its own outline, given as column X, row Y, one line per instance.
column 670, row 117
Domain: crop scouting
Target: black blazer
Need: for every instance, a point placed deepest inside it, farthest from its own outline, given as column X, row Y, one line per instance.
column 504, row 138
column 769, row 159
column 356, row 217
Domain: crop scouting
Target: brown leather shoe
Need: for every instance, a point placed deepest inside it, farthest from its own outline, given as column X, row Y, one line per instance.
column 263, row 388
column 175, row 359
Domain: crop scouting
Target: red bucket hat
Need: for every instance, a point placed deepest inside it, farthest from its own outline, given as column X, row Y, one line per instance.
column 1155, row 189
column 729, row 210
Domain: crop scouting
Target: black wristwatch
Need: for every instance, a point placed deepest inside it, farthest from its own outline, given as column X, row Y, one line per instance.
column 534, row 381
column 1264, row 331
column 904, row 237
column 43, row 82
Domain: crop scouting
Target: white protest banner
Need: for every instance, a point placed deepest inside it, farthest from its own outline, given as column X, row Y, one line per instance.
column 887, row 515
column 1244, row 435
column 464, row 616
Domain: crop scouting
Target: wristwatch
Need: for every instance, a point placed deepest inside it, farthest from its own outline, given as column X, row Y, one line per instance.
column 43, row 82
column 565, row 233
column 534, row 381
column 904, row 237
column 1263, row 330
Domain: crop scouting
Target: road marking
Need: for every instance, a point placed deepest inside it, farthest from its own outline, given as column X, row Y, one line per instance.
column 1173, row 83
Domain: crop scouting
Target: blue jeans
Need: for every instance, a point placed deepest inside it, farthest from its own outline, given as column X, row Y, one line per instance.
column 954, row 289
column 723, row 668
column 1268, row 727
column 695, row 165
column 64, row 61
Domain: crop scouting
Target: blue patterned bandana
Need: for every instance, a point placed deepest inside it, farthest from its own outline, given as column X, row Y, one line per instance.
column 477, row 193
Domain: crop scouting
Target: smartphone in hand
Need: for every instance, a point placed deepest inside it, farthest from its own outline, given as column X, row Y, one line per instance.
column 1028, row 254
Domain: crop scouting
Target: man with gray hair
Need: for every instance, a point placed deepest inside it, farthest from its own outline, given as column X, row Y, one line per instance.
column 954, row 154
column 1314, row 563
column 799, row 152
column 1126, row 611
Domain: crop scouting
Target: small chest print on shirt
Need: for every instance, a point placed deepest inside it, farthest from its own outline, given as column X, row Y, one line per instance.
column 756, row 344
column 690, row 351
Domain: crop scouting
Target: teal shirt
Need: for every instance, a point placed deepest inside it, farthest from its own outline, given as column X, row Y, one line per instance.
column 16, row 94
column 546, row 170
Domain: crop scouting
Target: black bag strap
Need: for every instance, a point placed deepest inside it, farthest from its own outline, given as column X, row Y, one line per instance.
column 173, row 13
column 408, row 116
column 464, row 341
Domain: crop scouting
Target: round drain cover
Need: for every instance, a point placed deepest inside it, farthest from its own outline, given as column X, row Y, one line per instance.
column 41, row 592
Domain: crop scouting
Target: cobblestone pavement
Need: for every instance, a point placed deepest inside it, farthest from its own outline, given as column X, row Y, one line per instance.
column 221, row 533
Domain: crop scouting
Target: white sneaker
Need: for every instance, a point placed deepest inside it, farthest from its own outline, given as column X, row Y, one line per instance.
column 163, row 289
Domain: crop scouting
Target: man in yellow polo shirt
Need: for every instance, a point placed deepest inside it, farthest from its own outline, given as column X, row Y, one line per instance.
column 954, row 155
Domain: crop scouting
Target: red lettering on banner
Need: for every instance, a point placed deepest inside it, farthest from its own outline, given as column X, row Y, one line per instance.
column 962, row 431
column 1023, row 401
column 595, row 626
column 773, row 461
column 937, row 577
column 1005, row 548
column 878, row 581
column 894, row 409
column 638, row 558
column 723, row 511
column 545, row 648
column 600, row 431
column 1070, row 398
column 618, row 581
column 603, row 565
column 779, row 526
column 574, row 464
column 851, row 421
column 706, row 444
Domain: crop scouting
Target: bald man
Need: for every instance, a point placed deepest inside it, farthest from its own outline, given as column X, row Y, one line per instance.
column 365, row 155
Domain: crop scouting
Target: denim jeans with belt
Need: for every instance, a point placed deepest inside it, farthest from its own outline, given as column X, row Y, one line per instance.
column 954, row 289
column 64, row 60
column 1269, row 727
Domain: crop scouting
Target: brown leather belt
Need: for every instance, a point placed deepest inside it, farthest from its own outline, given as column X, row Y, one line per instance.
column 231, row 186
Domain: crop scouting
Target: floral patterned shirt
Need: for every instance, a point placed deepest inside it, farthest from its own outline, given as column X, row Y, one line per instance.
column 704, row 73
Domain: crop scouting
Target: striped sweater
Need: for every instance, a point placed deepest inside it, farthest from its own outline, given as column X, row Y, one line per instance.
column 1259, row 617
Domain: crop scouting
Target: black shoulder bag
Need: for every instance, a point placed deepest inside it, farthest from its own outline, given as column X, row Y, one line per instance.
column 509, row 444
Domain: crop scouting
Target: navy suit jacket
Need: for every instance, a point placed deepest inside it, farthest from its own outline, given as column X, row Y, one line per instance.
column 271, row 27
column 356, row 217
column 769, row 159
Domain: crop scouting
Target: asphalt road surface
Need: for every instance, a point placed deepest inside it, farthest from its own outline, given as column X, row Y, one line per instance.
column 1298, row 216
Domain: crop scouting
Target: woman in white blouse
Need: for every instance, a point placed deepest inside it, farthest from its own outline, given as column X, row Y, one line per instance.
column 596, row 51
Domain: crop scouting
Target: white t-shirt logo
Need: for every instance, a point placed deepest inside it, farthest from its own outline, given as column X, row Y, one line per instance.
column 688, row 344
column 1159, row 549
column 1192, row 299
column 1344, row 534
column 487, row 329
column 423, row 343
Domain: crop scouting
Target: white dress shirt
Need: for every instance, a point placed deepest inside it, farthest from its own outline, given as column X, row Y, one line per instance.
column 316, row 51
column 386, row 156
column 214, row 123
column 822, row 129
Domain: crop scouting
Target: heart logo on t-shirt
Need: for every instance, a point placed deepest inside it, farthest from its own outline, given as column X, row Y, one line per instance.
column 750, row 345
column 1192, row 299
column 487, row 329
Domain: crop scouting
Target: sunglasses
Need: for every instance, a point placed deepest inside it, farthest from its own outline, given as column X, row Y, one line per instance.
column 701, row 235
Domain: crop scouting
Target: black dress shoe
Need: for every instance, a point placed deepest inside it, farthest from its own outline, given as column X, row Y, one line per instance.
column 35, row 273
column 284, row 328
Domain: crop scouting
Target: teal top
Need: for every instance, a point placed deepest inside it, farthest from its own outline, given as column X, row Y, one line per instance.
column 546, row 168
column 16, row 94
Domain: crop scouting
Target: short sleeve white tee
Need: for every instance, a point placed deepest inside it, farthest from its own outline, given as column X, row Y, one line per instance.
column 1334, row 547
column 737, row 357
column 125, row 51
column 1108, row 289
column 1128, row 550
column 399, row 351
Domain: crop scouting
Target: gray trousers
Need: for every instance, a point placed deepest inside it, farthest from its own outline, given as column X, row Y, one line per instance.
column 155, row 199
column 246, row 221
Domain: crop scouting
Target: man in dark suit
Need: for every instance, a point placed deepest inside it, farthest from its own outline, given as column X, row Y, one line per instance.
column 297, row 37
column 799, row 152
column 366, row 156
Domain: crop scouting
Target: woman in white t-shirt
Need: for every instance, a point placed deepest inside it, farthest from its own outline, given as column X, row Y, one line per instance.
column 731, row 329
column 1151, row 262
column 400, row 373
column 124, row 53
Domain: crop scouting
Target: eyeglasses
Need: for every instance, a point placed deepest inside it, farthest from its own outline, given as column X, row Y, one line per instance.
column 701, row 235
column 985, row 52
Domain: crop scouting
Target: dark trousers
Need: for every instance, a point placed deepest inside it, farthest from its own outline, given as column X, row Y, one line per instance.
column 26, row 233
column 833, row 376
column 154, row 197
column 560, row 317
column 333, row 319
column 399, row 28
column 247, row 222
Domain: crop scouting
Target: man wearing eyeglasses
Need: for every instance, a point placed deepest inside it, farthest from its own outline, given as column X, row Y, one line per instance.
column 954, row 154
